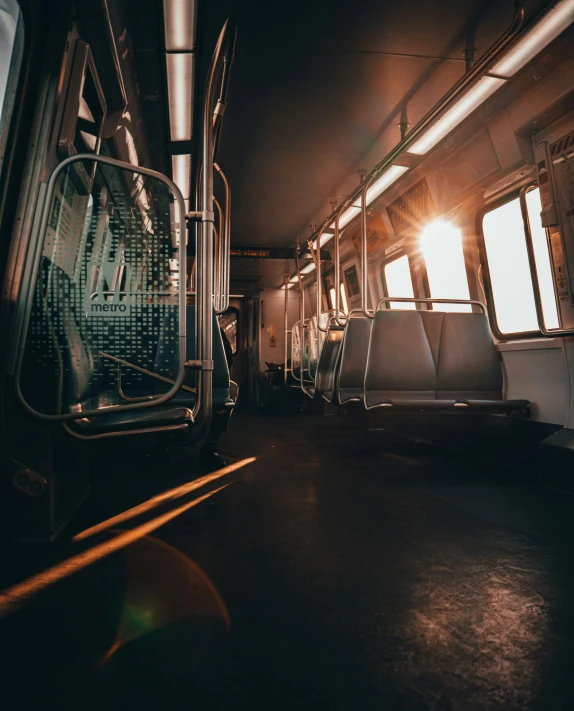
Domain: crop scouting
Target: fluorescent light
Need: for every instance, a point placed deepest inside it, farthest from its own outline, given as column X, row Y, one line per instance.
column 384, row 182
column 289, row 286
column 456, row 114
column 348, row 215
column 181, row 171
column 377, row 188
column 325, row 237
column 308, row 269
column 556, row 20
column 179, row 18
column 180, row 95
column 294, row 279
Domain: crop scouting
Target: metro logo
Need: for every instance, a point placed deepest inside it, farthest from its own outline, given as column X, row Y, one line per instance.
column 108, row 289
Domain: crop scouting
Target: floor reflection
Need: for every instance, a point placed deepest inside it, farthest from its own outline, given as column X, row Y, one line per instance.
column 483, row 627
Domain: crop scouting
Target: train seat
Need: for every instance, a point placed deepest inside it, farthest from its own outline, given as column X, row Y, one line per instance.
column 82, row 381
column 353, row 360
column 222, row 390
column 328, row 363
column 429, row 361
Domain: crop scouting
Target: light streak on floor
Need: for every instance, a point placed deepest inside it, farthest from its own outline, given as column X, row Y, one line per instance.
column 14, row 597
column 162, row 498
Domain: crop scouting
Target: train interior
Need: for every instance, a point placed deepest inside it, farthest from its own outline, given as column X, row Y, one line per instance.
column 287, row 355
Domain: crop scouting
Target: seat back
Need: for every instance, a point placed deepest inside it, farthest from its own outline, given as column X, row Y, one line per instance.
column 59, row 371
column 164, row 357
column 326, row 371
column 430, row 355
column 400, row 365
column 468, row 366
column 354, row 352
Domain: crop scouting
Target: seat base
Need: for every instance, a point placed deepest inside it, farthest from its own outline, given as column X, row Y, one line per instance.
column 134, row 420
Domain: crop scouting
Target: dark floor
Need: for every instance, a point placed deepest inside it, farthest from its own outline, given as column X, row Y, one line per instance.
column 342, row 569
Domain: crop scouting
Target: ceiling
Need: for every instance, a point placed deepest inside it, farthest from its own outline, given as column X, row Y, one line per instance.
column 317, row 92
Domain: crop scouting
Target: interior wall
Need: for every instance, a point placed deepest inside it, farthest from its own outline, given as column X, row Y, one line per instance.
column 271, row 324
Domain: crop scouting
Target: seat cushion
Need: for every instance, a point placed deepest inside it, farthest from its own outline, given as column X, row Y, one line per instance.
column 151, row 417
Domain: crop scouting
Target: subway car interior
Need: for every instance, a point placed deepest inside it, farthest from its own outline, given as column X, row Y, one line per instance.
column 287, row 355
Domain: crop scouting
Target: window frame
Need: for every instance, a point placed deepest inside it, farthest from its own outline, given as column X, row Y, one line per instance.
column 486, row 280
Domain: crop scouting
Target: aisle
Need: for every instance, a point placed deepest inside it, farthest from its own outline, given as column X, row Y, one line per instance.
column 340, row 570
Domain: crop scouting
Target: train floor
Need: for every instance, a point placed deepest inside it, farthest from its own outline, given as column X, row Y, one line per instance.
column 338, row 569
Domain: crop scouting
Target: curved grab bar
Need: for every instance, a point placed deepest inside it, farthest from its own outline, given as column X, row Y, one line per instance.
column 416, row 300
column 316, row 254
column 211, row 127
column 225, row 242
column 337, row 265
column 364, row 256
column 303, row 325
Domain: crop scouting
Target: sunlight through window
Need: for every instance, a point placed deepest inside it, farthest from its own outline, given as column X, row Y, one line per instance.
column 509, row 269
column 399, row 282
column 441, row 244
column 344, row 304
column 542, row 259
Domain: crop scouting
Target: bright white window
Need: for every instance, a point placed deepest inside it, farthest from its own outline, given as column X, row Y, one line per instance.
column 542, row 259
column 344, row 304
column 399, row 282
column 441, row 244
column 509, row 269
column 332, row 296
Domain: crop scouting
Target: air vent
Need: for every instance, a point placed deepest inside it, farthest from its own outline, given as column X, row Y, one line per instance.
column 562, row 145
column 413, row 206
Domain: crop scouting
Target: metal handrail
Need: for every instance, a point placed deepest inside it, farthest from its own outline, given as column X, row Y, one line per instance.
column 430, row 300
column 337, row 265
column 552, row 333
column 211, row 126
column 316, row 254
column 303, row 325
column 478, row 70
column 217, row 256
column 225, row 268
column 364, row 236
column 286, row 328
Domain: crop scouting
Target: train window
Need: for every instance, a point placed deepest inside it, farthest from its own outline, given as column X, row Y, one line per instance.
column 228, row 323
column 352, row 279
column 332, row 296
column 441, row 244
column 10, row 28
column 509, row 268
column 542, row 259
column 344, row 304
column 398, row 282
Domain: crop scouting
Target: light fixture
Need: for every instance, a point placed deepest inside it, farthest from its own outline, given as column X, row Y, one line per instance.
column 308, row 269
column 555, row 21
column 181, row 171
column 179, row 18
column 392, row 174
column 468, row 102
column 385, row 181
column 289, row 286
column 350, row 213
column 180, row 95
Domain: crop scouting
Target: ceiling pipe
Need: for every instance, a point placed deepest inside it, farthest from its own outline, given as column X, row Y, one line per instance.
column 478, row 70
